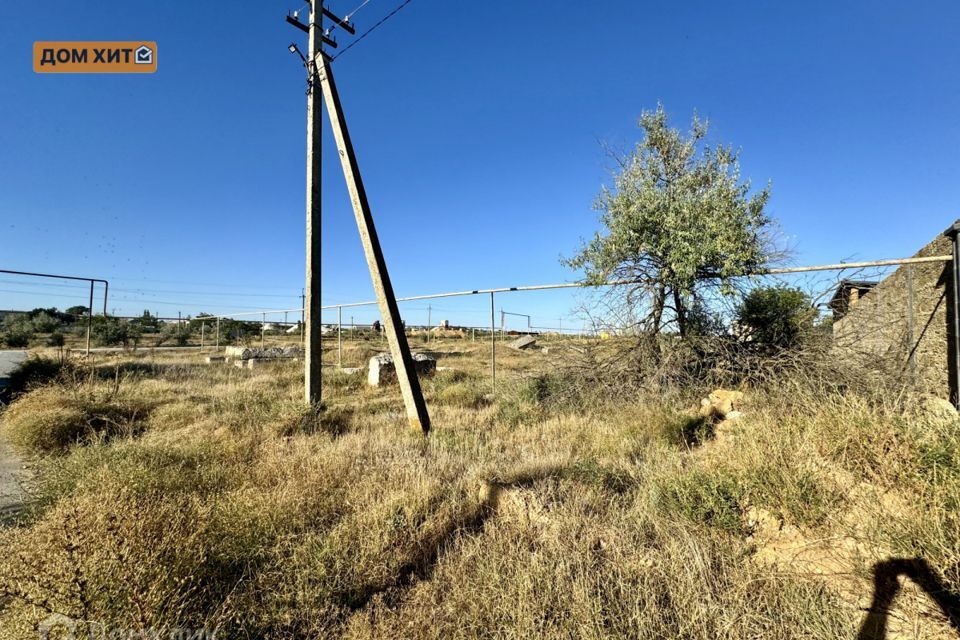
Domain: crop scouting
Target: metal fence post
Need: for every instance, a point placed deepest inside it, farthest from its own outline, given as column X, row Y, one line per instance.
column 263, row 326
column 89, row 318
column 218, row 334
column 493, row 348
column 203, row 326
column 340, row 337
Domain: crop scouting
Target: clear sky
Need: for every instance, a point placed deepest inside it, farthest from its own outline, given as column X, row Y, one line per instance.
column 476, row 126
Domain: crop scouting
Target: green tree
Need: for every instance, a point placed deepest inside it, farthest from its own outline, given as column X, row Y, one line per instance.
column 18, row 330
column 776, row 318
column 147, row 322
column 44, row 322
column 677, row 221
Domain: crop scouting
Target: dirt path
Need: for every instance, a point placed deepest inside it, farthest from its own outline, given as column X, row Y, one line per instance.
column 11, row 492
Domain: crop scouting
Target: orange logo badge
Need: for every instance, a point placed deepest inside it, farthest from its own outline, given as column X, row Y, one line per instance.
column 95, row 57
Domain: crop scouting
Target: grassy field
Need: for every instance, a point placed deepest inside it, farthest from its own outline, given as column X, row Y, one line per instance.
column 170, row 494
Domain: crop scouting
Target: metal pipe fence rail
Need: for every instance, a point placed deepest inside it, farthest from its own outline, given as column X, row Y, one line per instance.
column 92, row 281
column 492, row 292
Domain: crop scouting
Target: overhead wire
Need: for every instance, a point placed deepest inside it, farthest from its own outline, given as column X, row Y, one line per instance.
column 371, row 29
column 347, row 17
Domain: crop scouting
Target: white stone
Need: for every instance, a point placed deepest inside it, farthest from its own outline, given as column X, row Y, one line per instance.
column 523, row 342
column 381, row 369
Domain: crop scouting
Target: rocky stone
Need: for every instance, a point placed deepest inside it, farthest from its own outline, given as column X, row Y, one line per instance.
column 522, row 343
column 938, row 409
column 719, row 403
column 249, row 353
column 381, row 369
column 213, row 359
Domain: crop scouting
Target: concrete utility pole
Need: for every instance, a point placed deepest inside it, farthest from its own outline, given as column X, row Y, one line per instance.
column 386, row 300
column 320, row 77
column 313, row 357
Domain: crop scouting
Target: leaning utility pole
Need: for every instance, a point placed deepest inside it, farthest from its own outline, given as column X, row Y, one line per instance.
column 321, row 77
column 386, row 300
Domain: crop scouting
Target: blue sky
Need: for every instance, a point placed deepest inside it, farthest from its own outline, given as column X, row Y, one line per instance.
column 477, row 129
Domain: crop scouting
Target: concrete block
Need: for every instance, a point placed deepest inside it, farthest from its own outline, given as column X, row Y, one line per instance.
column 522, row 343
column 381, row 368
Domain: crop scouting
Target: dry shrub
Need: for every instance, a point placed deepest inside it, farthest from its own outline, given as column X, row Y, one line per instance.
column 37, row 371
column 625, row 368
column 48, row 420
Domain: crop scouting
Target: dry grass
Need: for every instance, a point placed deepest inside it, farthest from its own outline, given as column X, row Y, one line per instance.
column 219, row 502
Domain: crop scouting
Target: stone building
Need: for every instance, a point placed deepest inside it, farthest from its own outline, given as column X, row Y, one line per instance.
column 848, row 294
column 900, row 326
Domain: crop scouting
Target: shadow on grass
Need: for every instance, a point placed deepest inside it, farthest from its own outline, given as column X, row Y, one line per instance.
column 335, row 421
column 431, row 545
column 886, row 585
column 10, row 514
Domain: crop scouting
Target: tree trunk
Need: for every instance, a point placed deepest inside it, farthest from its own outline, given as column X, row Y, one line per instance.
column 681, row 313
column 658, row 302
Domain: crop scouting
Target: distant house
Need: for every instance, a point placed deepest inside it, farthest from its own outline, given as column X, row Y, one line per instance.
column 848, row 294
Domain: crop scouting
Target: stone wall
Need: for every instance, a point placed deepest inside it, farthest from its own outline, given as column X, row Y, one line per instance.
column 901, row 326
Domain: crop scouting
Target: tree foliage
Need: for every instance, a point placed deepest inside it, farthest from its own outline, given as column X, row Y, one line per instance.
column 678, row 220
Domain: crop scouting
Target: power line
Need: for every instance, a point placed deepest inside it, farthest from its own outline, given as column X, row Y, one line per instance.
column 23, row 283
column 214, row 294
column 347, row 17
column 149, row 292
column 43, row 294
column 368, row 31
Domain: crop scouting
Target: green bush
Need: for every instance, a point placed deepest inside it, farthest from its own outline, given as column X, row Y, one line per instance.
column 776, row 318
column 108, row 332
column 17, row 339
